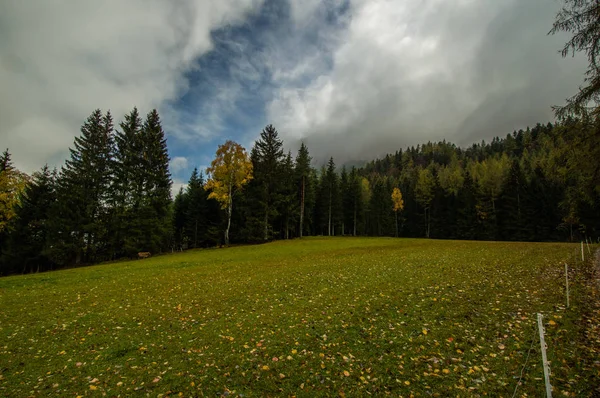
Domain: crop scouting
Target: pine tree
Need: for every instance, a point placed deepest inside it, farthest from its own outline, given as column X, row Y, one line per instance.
column 321, row 206
column 354, row 199
column 510, row 212
column 287, row 198
column 581, row 18
column 157, row 185
column 267, row 157
column 303, row 170
column 179, row 219
column 346, row 200
column 5, row 161
column 333, row 197
column 28, row 242
column 83, row 193
column 196, row 195
column 127, row 189
column 467, row 209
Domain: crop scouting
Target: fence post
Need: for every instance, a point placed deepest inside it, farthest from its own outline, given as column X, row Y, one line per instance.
column 582, row 257
column 544, row 360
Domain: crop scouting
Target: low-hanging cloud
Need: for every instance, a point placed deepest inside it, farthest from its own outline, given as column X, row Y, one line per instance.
column 407, row 72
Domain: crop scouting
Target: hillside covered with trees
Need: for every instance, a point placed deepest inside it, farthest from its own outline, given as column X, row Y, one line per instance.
column 112, row 198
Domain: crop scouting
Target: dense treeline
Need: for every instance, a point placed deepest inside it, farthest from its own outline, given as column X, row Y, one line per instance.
column 112, row 199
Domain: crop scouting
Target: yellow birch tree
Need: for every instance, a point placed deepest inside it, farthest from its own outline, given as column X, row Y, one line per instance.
column 229, row 171
column 12, row 185
column 398, row 204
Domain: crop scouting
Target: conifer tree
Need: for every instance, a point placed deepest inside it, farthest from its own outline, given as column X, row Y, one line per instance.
column 127, row 187
column 346, row 200
column 303, row 170
column 29, row 239
column 83, row 193
column 333, row 197
column 287, row 197
column 354, row 199
column 5, row 161
column 267, row 157
column 196, row 196
column 157, row 185
column 179, row 219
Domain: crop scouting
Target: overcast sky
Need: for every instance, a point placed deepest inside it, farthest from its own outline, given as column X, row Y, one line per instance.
column 355, row 79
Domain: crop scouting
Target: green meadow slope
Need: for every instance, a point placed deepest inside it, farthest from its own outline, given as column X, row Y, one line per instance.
column 311, row 317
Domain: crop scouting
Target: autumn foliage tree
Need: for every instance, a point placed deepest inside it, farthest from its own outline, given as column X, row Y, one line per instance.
column 398, row 204
column 12, row 185
column 229, row 171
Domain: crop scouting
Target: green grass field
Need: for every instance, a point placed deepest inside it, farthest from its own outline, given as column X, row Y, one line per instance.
column 311, row 317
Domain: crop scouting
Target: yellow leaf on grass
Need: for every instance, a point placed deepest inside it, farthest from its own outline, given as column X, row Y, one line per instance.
column 551, row 322
column 424, row 331
column 93, row 388
column 346, row 373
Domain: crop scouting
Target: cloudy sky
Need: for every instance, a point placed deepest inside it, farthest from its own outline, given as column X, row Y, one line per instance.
column 354, row 79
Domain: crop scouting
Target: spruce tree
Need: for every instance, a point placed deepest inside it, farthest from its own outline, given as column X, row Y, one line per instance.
column 346, row 201
column 321, row 206
column 287, row 198
column 179, row 219
column 267, row 157
column 5, row 161
column 354, row 202
column 196, row 196
column 333, row 197
column 157, row 186
column 303, row 170
column 127, row 186
column 29, row 239
column 511, row 214
column 83, row 193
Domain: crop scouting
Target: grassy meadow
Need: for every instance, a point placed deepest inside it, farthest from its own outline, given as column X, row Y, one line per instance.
column 310, row 317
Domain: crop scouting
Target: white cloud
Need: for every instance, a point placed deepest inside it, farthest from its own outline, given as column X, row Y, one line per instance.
column 177, row 185
column 178, row 164
column 60, row 60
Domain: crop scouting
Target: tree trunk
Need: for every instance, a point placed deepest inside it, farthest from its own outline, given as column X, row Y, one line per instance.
column 354, row 231
column 396, row 224
column 428, row 221
column 266, row 222
column 329, row 224
column 229, row 208
column 302, row 208
column 287, row 227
